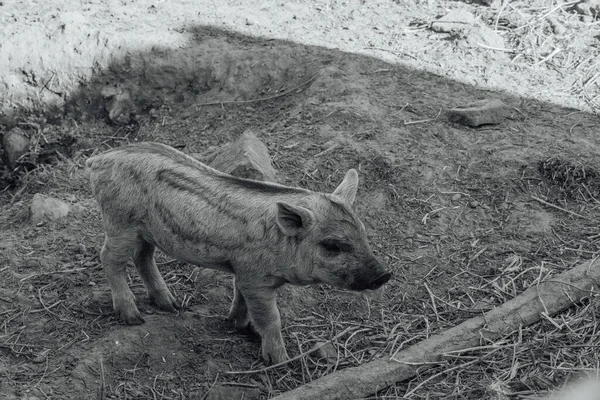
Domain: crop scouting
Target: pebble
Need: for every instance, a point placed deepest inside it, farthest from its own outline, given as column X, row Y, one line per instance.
column 120, row 106
column 39, row 359
column 44, row 207
column 16, row 144
column 482, row 112
column 327, row 352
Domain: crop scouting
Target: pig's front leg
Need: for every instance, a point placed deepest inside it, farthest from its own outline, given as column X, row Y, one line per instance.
column 262, row 307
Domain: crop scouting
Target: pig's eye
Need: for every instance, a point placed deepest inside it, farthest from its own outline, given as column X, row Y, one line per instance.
column 333, row 247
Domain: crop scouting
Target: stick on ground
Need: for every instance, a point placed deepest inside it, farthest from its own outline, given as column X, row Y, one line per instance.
column 548, row 297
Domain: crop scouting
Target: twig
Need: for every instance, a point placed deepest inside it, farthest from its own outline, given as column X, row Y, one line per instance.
column 408, row 394
column 211, row 386
column 64, row 271
column 433, row 306
column 214, row 103
column 423, row 120
column 43, row 374
column 48, row 84
column 299, row 356
column 396, row 53
column 549, row 56
column 485, row 46
column 327, row 151
column 561, row 209
column 102, row 380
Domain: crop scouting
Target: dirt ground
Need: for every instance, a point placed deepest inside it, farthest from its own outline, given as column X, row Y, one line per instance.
column 450, row 209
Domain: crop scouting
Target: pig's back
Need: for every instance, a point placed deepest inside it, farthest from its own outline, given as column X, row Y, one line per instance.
column 173, row 200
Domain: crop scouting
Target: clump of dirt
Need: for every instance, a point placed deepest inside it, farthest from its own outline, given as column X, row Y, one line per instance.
column 575, row 181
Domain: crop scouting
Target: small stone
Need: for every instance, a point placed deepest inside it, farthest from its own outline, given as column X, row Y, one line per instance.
column 456, row 197
column 478, row 113
column 473, row 204
column 39, row 359
column 91, row 283
column 81, row 248
column 483, row 35
column 454, row 21
column 16, row 144
column 327, row 352
column 43, row 207
column 247, row 158
column 120, row 106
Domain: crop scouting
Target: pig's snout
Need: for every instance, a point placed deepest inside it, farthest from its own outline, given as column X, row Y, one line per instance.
column 378, row 282
column 372, row 276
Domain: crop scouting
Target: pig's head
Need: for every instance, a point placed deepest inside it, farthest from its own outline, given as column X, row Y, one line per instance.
column 331, row 241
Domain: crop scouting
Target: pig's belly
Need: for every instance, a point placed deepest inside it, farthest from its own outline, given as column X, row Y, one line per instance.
column 199, row 254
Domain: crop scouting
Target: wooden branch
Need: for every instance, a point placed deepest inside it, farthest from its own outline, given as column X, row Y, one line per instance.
column 546, row 298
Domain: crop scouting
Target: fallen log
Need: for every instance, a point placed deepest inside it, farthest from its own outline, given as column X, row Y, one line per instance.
column 546, row 298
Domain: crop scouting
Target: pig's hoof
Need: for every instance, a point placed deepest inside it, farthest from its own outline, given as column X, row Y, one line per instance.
column 165, row 301
column 275, row 356
column 241, row 323
column 131, row 317
column 240, row 318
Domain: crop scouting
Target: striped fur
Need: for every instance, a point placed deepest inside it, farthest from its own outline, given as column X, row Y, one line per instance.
column 266, row 234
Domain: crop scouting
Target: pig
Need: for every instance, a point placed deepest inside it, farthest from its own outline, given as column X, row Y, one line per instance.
column 265, row 234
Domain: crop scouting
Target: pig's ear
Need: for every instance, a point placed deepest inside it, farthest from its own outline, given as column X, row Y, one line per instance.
column 293, row 219
column 348, row 187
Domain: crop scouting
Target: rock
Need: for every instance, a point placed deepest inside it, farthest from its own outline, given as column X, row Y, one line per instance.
column 43, row 207
column 456, row 197
column 478, row 113
column 454, row 21
column 39, row 359
column 588, row 7
column 120, row 106
column 248, row 158
column 221, row 392
column 483, row 35
column 327, row 352
column 16, row 144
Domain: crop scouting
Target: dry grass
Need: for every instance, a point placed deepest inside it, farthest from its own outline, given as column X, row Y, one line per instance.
column 551, row 35
column 523, row 365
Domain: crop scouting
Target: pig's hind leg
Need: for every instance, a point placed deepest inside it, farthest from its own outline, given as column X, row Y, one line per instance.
column 239, row 311
column 116, row 252
column 158, row 292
